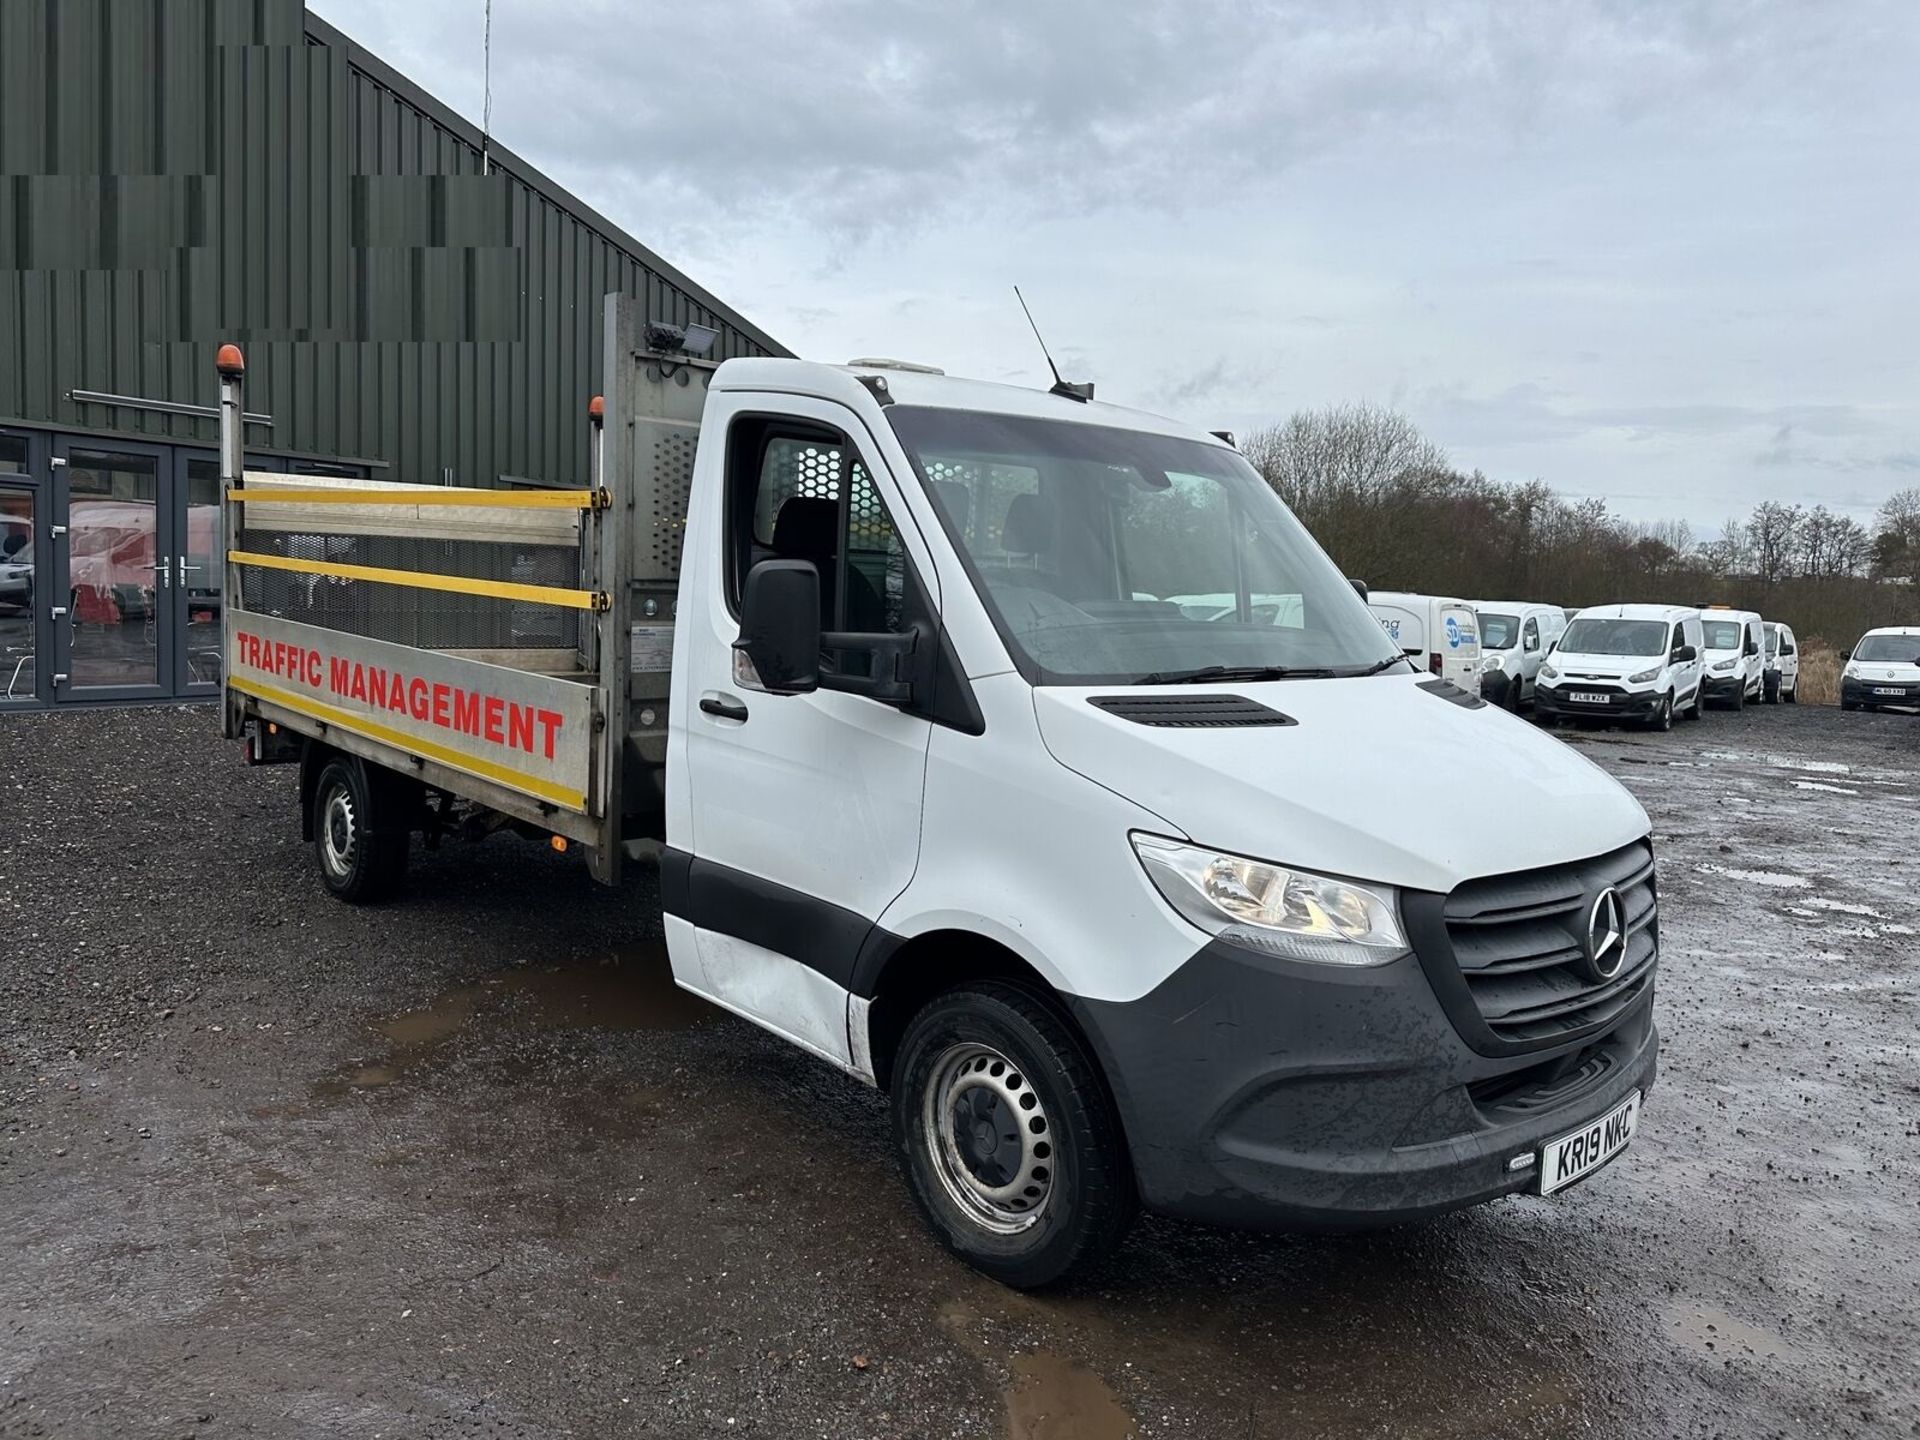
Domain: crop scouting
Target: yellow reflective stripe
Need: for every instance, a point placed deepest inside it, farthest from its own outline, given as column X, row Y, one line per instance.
column 400, row 739
column 399, row 495
column 423, row 580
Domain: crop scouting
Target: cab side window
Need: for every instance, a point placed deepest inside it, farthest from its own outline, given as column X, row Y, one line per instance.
column 1530, row 635
column 1679, row 641
column 800, row 491
column 1786, row 642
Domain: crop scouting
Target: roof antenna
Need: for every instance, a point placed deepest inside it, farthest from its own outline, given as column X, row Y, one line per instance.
column 1082, row 391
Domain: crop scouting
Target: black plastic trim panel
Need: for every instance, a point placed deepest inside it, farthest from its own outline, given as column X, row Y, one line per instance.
column 1190, row 711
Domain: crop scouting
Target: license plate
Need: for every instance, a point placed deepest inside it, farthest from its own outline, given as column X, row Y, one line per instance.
column 1585, row 1150
column 1900, row 690
column 1590, row 697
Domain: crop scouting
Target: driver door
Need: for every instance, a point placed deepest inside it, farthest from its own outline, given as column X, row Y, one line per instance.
column 803, row 821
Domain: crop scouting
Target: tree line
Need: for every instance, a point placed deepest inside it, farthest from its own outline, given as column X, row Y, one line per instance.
column 1392, row 509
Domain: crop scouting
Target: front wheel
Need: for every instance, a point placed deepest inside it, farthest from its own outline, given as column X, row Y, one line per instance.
column 1663, row 717
column 1770, row 690
column 1012, row 1147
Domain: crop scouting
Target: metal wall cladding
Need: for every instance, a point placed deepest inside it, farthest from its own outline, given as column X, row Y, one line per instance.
column 179, row 173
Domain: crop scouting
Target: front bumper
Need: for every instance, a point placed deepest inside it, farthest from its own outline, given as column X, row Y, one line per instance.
column 1496, row 687
column 1865, row 692
column 1556, row 703
column 1264, row 1094
column 1723, row 687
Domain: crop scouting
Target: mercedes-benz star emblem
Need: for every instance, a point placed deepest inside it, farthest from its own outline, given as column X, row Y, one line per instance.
column 1606, row 935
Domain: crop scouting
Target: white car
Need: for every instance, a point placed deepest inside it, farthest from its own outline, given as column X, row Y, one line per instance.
column 1782, row 679
column 1439, row 635
column 1883, row 669
column 1634, row 663
column 1735, row 656
column 1515, row 636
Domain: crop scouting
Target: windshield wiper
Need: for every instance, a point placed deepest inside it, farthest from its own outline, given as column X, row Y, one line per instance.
column 1377, row 668
column 1234, row 672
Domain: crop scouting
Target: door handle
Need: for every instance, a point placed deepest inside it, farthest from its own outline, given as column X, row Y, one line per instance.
column 726, row 707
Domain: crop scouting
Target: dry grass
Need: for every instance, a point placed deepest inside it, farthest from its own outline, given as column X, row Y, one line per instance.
column 1819, row 674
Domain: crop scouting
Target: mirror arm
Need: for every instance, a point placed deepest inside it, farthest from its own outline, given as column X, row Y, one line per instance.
column 894, row 663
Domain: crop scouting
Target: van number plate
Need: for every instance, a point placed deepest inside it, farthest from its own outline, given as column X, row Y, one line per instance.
column 1589, row 697
column 1889, row 689
column 1575, row 1156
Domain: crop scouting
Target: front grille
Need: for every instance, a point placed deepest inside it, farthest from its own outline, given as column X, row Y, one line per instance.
column 1520, row 943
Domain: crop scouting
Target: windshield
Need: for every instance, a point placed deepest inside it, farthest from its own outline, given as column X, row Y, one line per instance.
column 1615, row 637
column 1115, row 556
column 1723, row 634
column 1900, row 649
column 1499, row 632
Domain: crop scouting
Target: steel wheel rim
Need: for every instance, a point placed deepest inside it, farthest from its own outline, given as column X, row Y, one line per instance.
column 339, row 832
column 989, row 1138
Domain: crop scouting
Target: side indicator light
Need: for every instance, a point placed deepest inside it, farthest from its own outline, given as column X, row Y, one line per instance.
column 559, row 843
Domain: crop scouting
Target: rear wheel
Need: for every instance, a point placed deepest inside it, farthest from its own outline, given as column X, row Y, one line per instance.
column 1012, row 1147
column 359, row 833
column 1792, row 693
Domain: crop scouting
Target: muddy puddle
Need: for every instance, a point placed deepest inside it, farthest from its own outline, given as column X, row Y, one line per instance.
column 1049, row 1396
column 632, row 990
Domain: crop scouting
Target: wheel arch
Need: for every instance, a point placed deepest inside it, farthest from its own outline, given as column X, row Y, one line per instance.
column 913, row 971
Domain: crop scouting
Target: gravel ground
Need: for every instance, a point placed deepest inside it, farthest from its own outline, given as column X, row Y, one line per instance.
column 468, row 1165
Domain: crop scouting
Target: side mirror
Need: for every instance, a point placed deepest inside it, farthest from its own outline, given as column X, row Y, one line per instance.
column 780, row 625
column 1845, row 656
column 1685, row 654
column 1359, row 588
column 1530, row 643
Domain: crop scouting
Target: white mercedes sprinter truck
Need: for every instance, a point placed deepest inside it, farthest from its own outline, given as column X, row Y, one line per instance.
column 1117, row 899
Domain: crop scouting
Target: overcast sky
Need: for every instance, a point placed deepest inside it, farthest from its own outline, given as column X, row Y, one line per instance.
column 1663, row 253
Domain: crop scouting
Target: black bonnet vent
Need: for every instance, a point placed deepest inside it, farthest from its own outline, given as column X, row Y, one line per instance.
column 1453, row 694
column 1191, row 712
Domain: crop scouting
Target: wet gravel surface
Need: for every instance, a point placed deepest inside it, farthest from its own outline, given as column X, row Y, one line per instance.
column 468, row 1165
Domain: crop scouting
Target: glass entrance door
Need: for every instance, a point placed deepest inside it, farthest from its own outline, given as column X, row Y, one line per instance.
column 113, row 563
column 23, row 538
column 199, row 570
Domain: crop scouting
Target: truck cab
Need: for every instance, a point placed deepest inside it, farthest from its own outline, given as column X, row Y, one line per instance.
column 1024, row 757
column 968, row 798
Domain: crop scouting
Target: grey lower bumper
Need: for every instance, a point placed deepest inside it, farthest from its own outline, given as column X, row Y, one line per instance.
column 1265, row 1094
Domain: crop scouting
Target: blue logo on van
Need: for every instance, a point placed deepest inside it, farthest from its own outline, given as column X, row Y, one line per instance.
column 1453, row 633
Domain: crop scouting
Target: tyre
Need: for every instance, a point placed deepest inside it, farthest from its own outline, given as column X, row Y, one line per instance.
column 1697, row 710
column 359, row 833
column 1791, row 695
column 1770, row 690
column 1662, row 720
column 1010, row 1141
column 1739, row 701
column 1849, row 704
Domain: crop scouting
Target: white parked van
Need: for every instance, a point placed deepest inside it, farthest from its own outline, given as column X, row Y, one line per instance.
column 1124, row 900
column 1883, row 669
column 1637, row 663
column 1515, row 636
column 1782, row 681
column 1439, row 635
column 1735, row 655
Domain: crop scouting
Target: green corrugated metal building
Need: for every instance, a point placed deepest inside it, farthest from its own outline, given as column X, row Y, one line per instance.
column 177, row 173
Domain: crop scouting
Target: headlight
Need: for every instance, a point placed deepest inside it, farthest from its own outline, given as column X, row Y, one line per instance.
column 1548, row 672
column 1285, row 912
column 1645, row 677
column 1494, row 662
column 1720, row 665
